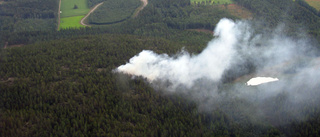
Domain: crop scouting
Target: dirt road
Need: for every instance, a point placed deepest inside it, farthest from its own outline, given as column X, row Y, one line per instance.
column 145, row 3
column 92, row 10
column 59, row 15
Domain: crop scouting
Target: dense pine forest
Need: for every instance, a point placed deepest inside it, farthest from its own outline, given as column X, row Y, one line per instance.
column 63, row 83
column 114, row 11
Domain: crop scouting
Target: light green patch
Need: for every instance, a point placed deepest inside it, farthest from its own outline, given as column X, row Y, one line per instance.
column 314, row 3
column 67, row 8
column 211, row 2
column 71, row 22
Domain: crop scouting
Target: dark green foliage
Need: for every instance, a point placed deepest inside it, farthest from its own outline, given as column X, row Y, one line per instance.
column 275, row 12
column 14, row 13
column 92, row 3
column 157, row 19
column 303, row 3
column 27, row 15
column 114, row 11
column 75, row 6
column 67, row 88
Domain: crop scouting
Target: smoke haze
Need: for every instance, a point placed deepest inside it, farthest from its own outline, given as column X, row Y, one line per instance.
column 216, row 77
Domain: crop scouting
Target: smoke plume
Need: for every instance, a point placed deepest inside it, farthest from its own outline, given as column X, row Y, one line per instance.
column 216, row 77
column 186, row 69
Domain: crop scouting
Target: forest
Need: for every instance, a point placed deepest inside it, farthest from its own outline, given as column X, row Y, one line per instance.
column 62, row 83
column 114, row 11
column 28, row 15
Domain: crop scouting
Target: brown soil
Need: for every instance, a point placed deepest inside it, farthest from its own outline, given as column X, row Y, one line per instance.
column 9, row 81
column 11, row 46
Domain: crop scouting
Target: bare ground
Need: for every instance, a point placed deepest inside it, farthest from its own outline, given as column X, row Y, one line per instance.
column 202, row 30
column 11, row 46
column 144, row 4
column 59, row 15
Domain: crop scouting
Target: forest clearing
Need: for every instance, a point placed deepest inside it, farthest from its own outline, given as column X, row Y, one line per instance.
column 71, row 13
column 71, row 22
column 74, row 8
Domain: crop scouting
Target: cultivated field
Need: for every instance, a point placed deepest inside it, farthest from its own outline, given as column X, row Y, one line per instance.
column 70, row 17
column 314, row 3
column 71, row 22
column 211, row 2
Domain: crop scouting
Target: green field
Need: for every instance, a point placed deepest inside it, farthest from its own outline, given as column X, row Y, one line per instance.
column 70, row 17
column 211, row 2
column 314, row 3
column 71, row 22
column 68, row 5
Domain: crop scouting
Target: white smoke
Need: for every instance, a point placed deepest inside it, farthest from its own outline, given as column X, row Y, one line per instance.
column 186, row 69
column 239, row 52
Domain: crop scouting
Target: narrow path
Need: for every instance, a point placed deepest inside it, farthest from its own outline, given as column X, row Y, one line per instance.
column 59, row 15
column 6, row 45
column 145, row 3
column 92, row 10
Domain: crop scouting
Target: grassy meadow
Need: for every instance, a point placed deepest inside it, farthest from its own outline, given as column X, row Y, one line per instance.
column 70, row 17
column 68, row 5
column 211, row 2
column 314, row 3
column 71, row 22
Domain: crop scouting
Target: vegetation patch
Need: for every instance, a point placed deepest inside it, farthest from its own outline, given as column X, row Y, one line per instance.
column 237, row 10
column 314, row 3
column 33, row 24
column 210, row 2
column 114, row 11
column 71, row 13
column 21, row 15
column 71, row 22
column 74, row 8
